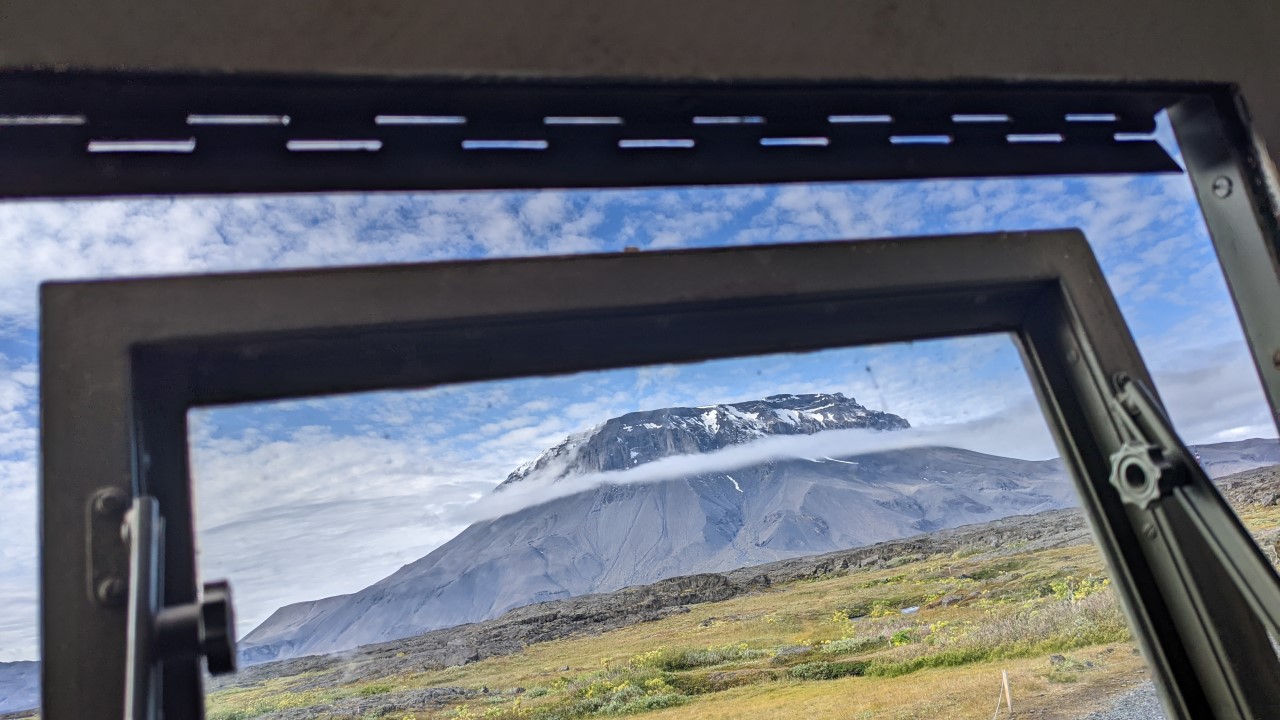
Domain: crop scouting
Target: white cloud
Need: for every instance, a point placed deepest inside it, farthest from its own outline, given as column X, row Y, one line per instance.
column 655, row 376
column 19, row 610
column 1011, row 434
column 1217, row 399
column 42, row 240
column 17, row 406
column 18, row 539
column 319, row 514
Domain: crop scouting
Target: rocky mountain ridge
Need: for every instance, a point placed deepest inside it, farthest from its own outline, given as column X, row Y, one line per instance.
column 640, row 437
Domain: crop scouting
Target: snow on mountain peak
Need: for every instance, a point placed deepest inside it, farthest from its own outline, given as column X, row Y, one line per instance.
column 639, row 437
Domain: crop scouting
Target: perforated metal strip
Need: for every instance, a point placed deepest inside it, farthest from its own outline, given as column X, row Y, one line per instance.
column 71, row 134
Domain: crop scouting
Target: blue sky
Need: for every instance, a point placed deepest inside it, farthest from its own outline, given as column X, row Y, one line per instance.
column 381, row 479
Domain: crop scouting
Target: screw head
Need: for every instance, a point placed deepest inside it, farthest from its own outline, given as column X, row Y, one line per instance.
column 1222, row 186
column 111, row 590
column 110, row 502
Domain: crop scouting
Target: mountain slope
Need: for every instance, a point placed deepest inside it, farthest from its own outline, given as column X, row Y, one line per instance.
column 977, row 576
column 1221, row 459
column 619, row 535
column 19, row 685
column 587, row 615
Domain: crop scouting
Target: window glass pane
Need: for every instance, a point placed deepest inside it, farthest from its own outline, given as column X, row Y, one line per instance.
column 847, row 531
column 288, row 492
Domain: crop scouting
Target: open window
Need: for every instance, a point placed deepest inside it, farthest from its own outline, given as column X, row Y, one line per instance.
column 1188, row 574
column 123, row 363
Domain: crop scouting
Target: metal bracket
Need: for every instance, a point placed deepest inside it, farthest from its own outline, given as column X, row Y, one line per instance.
column 1150, row 463
column 1236, row 186
column 1154, row 472
column 1189, row 532
column 159, row 633
column 108, row 563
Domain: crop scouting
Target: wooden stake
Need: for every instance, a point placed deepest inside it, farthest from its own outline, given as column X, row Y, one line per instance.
column 1008, row 696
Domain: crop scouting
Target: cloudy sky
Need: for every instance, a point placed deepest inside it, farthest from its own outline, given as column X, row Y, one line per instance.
column 310, row 498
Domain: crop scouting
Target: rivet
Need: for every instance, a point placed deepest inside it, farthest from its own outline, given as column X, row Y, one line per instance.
column 111, row 590
column 1222, row 186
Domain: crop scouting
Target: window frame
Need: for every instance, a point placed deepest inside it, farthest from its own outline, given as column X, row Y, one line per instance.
column 122, row 361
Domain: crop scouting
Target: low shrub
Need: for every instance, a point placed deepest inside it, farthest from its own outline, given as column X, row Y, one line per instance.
column 829, row 670
column 853, row 645
column 674, row 660
column 623, row 696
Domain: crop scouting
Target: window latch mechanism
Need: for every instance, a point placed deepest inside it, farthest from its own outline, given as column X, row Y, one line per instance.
column 1151, row 461
column 156, row 633
column 1185, row 521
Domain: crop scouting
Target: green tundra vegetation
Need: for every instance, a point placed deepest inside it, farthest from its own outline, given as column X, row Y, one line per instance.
column 917, row 637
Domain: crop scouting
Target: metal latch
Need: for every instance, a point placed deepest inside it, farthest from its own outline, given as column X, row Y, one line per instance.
column 1151, row 462
column 156, row 633
column 1186, row 521
column 1143, row 473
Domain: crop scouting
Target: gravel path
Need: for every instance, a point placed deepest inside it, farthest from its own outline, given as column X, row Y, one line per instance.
column 1137, row 704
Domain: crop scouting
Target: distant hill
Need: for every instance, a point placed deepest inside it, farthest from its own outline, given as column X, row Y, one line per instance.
column 19, row 685
column 1222, row 459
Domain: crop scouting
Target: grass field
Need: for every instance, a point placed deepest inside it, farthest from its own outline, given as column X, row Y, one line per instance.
column 844, row 647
